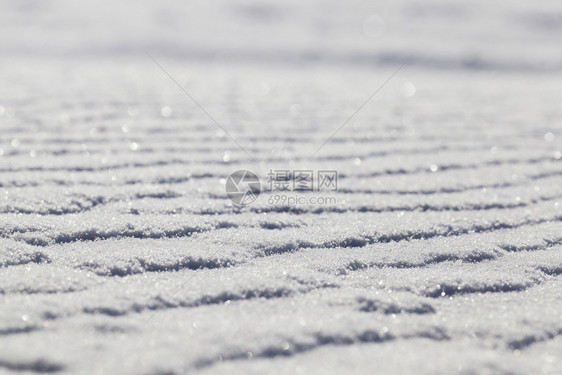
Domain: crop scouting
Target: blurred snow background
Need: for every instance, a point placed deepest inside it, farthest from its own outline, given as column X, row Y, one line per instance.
column 505, row 35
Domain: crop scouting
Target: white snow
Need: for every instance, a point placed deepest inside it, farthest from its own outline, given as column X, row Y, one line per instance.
column 120, row 252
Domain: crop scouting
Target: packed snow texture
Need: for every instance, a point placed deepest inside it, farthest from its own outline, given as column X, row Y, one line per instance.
column 120, row 252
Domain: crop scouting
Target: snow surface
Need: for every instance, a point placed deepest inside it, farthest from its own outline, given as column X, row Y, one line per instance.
column 121, row 254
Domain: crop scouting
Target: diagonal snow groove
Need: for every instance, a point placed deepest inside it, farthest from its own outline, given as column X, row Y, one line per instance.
column 385, row 172
column 294, row 346
column 531, row 339
column 39, row 366
column 141, row 265
column 535, row 247
column 442, row 231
